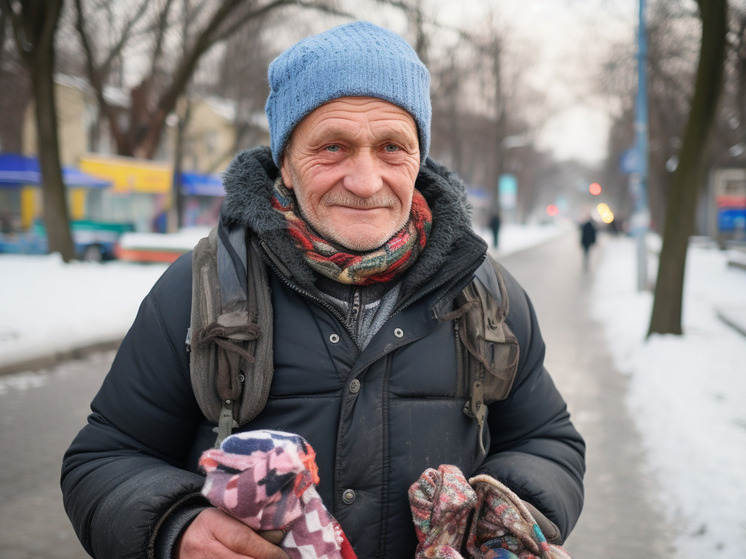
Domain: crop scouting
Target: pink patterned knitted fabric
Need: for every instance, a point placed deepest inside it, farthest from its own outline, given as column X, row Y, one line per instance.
column 266, row 479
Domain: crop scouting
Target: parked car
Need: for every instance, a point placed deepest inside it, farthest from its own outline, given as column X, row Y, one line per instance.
column 95, row 241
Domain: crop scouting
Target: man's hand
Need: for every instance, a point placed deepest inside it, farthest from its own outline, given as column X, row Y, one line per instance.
column 217, row 535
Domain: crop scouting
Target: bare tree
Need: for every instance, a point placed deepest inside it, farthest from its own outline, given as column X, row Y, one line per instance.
column 168, row 71
column 494, row 51
column 34, row 29
column 672, row 55
column 680, row 212
column 16, row 88
column 729, row 141
column 241, row 77
column 479, row 99
column 739, row 52
column 415, row 12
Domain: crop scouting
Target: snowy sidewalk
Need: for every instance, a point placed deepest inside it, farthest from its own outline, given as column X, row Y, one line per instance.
column 621, row 517
column 686, row 393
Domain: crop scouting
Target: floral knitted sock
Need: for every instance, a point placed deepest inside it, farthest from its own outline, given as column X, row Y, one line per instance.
column 503, row 527
column 266, row 479
column 441, row 501
column 500, row 526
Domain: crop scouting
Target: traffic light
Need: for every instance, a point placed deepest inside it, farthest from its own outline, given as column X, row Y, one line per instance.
column 594, row 189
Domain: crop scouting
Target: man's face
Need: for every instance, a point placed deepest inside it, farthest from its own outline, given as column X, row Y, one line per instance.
column 352, row 163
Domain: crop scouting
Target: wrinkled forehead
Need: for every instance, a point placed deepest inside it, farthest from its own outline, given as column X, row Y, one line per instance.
column 348, row 117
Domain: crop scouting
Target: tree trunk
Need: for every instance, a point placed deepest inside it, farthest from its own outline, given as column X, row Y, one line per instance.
column 34, row 27
column 56, row 217
column 682, row 202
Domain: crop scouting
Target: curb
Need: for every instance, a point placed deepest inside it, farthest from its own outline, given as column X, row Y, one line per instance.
column 55, row 358
column 729, row 318
column 737, row 264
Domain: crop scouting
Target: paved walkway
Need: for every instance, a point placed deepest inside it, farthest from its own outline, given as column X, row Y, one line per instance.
column 621, row 518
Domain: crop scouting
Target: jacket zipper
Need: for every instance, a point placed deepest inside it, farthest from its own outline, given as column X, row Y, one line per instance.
column 298, row 289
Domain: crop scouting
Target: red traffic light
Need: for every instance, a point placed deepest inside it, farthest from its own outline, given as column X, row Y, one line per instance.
column 552, row 210
column 595, row 189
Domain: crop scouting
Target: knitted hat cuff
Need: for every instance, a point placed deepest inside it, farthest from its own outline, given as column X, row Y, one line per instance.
column 354, row 60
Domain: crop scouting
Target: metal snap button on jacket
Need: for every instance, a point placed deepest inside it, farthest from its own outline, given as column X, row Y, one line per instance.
column 398, row 332
column 334, row 338
column 355, row 386
column 348, row 497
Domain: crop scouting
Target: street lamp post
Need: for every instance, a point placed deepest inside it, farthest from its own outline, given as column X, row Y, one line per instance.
column 639, row 180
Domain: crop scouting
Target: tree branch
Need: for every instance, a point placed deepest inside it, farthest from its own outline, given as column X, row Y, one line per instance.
column 96, row 76
column 160, row 33
column 124, row 37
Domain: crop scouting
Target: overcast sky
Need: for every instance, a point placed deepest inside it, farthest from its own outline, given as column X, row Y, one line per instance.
column 563, row 40
column 567, row 39
column 559, row 42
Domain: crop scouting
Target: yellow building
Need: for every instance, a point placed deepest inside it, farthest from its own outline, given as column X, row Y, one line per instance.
column 141, row 189
column 75, row 115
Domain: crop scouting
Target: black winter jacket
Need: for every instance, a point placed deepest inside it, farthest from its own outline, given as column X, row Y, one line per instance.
column 130, row 478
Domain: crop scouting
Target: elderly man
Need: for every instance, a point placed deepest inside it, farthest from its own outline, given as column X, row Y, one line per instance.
column 367, row 243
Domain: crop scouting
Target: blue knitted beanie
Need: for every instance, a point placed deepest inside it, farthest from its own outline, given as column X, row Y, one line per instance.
column 357, row 59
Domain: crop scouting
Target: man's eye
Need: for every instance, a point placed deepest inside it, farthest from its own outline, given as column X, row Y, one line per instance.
column 391, row 148
column 333, row 148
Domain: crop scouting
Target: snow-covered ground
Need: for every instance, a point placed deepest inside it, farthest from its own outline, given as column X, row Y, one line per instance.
column 688, row 393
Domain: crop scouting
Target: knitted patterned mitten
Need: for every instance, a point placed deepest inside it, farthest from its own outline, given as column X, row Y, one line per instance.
column 266, row 479
column 441, row 501
column 503, row 528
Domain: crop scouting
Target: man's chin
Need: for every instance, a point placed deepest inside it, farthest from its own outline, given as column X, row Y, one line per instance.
column 361, row 245
column 359, row 236
column 360, row 242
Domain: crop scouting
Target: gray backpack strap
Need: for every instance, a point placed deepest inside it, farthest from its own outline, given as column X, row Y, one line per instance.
column 487, row 349
column 487, row 336
column 230, row 335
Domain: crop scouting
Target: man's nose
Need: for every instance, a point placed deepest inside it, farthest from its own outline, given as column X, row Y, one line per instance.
column 363, row 176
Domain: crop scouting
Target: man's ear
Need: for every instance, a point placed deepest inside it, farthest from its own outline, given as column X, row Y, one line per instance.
column 287, row 176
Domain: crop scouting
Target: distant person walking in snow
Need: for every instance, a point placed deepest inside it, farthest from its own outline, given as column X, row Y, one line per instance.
column 587, row 239
column 495, row 228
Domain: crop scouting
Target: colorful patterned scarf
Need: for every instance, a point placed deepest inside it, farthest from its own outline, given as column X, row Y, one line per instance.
column 378, row 266
column 266, row 479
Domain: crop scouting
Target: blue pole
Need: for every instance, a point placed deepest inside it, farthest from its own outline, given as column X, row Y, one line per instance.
column 641, row 219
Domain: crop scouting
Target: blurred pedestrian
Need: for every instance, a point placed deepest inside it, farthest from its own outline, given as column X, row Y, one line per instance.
column 587, row 239
column 495, row 228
